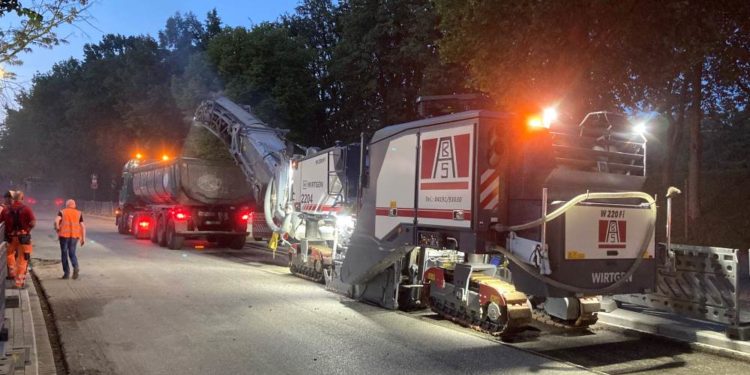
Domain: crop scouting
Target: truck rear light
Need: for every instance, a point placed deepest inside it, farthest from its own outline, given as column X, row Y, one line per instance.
column 144, row 224
column 245, row 215
column 180, row 214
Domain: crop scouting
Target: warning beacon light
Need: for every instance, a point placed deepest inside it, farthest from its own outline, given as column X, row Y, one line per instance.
column 165, row 157
column 535, row 122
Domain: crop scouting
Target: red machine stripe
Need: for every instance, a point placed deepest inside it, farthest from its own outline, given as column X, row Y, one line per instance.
column 462, row 154
column 429, row 146
column 323, row 208
column 463, row 185
column 611, row 246
column 423, row 213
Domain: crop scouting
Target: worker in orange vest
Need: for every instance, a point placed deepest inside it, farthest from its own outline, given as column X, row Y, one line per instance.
column 19, row 221
column 70, row 230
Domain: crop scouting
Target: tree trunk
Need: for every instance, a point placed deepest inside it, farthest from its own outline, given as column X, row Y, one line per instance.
column 694, row 164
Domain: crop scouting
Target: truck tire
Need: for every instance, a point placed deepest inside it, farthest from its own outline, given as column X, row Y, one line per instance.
column 174, row 241
column 237, row 242
column 122, row 225
column 161, row 232
column 134, row 229
column 154, row 232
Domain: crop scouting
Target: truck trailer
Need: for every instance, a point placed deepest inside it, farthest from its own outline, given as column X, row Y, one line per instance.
column 170, row 201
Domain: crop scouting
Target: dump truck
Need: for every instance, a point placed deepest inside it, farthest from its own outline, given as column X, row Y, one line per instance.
column 170, row 201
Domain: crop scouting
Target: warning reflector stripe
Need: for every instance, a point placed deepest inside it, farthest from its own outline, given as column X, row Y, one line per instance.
column 489, row 190
column 488, row 177
column 490, row 202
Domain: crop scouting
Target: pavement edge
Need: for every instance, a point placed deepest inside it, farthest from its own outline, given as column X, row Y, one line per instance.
column 50, row 361
column 705, row 341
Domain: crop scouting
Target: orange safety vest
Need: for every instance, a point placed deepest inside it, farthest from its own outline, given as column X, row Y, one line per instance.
column 70, row 225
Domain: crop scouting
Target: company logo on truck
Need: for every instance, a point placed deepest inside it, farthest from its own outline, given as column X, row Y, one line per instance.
column 608, row 277
column 612, row 234
column 445, row 163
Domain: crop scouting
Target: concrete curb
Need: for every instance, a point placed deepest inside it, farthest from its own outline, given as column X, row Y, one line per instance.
column 28, row 347
column 45, row 360
column 676, row 328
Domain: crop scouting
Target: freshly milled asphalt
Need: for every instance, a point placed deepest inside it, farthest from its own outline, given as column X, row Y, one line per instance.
column 142, row 309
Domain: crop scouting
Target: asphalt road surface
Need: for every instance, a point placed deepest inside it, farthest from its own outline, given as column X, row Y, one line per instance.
column 141, row 309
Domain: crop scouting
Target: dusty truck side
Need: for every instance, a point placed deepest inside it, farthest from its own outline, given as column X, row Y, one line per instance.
column 185, row 198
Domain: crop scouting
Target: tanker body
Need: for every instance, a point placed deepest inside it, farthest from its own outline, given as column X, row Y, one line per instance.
column 185, row 198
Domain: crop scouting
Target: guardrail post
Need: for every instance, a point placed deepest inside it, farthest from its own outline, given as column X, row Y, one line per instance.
column 708, row 283
column 737, row 329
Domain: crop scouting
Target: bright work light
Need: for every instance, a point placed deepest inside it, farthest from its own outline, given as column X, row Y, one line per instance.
column 549, row 116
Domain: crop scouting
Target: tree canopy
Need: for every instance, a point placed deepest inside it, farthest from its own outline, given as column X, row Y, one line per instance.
column 683, row 59
column 331, row 70
column 33, row 26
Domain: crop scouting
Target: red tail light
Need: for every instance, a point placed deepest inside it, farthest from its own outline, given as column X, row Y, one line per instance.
column 180, row 214
column 144, row 224
column 246, row 215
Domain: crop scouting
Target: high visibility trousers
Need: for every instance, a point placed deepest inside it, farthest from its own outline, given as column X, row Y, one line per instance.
column 18, row 260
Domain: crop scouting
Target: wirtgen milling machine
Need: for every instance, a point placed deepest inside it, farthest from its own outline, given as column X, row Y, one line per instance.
column 487, row 218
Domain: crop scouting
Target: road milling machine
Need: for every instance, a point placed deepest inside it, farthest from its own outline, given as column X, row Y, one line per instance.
column 490, row 219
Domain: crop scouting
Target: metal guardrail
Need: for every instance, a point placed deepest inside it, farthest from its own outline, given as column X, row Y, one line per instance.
column 97, row 208
column 708, row 283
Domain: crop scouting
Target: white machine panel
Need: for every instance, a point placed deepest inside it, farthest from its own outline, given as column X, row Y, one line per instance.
column 311, row 184
column 395, row 190
column 446, row 176
column 606, row 232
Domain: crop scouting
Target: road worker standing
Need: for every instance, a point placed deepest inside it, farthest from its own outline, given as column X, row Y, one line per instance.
column 19, row 221
column 70, row 230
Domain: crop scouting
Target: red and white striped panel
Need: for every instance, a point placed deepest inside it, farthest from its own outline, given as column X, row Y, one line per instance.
column 489, row 190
